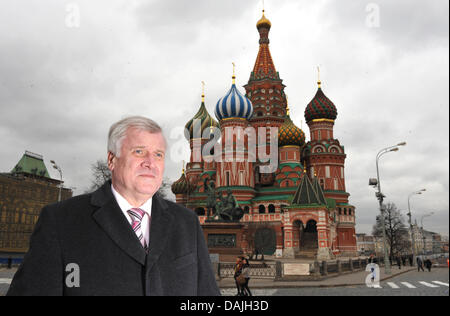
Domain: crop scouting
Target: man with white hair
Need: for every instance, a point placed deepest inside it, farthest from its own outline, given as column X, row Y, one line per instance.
column 121, row 239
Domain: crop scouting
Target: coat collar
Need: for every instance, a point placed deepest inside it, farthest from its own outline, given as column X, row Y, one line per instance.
column 111, row 219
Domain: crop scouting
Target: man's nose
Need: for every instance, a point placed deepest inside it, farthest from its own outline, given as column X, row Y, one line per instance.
column 149, row 161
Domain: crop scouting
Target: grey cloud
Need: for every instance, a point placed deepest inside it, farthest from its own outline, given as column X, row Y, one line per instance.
column 61, row 88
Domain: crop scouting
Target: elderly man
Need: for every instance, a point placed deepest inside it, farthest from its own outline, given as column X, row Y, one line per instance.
column 122, row 239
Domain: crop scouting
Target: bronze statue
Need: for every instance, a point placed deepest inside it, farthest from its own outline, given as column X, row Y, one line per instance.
column 222, row 207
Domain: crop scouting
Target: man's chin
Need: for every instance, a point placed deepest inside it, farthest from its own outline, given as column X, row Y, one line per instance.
column 148, row 189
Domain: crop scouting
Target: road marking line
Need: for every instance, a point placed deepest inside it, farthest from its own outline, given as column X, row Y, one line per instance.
column 5, row 281
column 393, row 285
column 428, row 284
column 408, row 285
column 440, row 283
column 255, row 292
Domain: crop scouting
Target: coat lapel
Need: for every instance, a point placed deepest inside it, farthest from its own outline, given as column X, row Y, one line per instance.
column 111, row 219
column 159, row 230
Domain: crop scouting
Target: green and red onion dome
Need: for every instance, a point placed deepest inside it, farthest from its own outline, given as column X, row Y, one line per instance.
column 320, row 107
column 206, row 121
column 181, row 186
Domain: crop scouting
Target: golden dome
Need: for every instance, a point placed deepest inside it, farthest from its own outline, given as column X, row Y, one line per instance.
column 263, row 22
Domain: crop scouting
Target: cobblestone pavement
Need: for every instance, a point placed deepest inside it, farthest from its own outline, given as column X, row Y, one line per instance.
column 5, row 279
column 413, row 283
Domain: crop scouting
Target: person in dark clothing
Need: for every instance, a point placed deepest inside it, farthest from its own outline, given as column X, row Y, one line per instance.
column 404, row 260
column 419, row 264
column 123, row 239
column 410, row 258
column 398, row 262
column 246, row 274
column 428, row 264
column 237, row 272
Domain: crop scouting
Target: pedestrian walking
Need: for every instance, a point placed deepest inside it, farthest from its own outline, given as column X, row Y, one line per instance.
column 238, row 275
column 246, row 274
column 428, row 264
column 398, row 262
column 404, row 260
column 419, row 264
column 410, row 258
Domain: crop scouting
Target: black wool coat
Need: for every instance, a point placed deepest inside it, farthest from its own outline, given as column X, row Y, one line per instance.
column 86, row 246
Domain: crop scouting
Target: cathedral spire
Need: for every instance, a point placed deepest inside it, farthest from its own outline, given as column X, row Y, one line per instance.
column 319, row 83
column 203, row 92
column 264, row 67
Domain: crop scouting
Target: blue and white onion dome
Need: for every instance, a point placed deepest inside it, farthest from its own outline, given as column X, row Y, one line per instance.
column 234, row 105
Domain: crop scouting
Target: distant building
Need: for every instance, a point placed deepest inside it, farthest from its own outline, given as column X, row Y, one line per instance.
column 23, row 193
column 365, row 244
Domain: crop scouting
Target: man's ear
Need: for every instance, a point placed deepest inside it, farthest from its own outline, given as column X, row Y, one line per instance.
column 111, row 159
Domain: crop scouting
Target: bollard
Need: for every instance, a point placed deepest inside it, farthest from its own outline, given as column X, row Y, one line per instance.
column 325, row 267
column 218, row 270
column 278, row 270
column 316, row 271
column 216, row 267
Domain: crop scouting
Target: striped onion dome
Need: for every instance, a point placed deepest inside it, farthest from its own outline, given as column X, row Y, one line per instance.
column 289, row 134
column 181, row 186
column 320, row 107
column 206, row 121
column 234, row 105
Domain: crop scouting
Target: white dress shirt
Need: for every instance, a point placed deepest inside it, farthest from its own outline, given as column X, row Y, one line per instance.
column 125, row 207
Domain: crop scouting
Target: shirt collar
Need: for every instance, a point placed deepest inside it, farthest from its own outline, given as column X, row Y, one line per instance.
column 125, row 206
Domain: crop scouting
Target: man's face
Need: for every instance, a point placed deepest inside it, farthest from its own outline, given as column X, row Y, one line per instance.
column 137, row 173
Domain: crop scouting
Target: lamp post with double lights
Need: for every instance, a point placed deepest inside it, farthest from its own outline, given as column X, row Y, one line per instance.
column 60, row 174
column 423, row 231
column 413, row 242
column 380, row 196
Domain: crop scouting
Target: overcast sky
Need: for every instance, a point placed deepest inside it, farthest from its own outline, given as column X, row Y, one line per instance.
column 69, row 69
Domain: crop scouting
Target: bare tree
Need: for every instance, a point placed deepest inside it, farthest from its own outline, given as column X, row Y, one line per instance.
column 396, row 230
column 100, row 174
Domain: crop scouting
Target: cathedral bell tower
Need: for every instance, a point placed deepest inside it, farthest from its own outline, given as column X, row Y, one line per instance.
column 266, row 91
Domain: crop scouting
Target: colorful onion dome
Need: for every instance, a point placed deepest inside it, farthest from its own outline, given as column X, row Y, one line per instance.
column 263, row 22
column 181, row 186
column 320, row 107
column 234, row 105
column 206, row 121
column 289, row 134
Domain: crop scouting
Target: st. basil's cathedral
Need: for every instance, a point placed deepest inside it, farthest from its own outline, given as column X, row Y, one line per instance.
column 300, row 210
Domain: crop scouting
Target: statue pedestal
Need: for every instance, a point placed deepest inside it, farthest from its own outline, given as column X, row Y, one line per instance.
column 225, row 238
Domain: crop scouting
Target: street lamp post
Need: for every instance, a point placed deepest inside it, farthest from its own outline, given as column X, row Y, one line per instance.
column 60, row 174
column 413, row 243
column 423, row 231
column 380, row 197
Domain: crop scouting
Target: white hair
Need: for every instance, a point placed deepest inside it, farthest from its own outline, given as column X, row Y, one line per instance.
column 118, row 131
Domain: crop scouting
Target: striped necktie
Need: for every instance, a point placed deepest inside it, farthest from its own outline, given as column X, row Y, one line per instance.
column 137, row 215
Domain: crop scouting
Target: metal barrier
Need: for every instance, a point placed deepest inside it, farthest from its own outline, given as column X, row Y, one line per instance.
column 257, row 270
